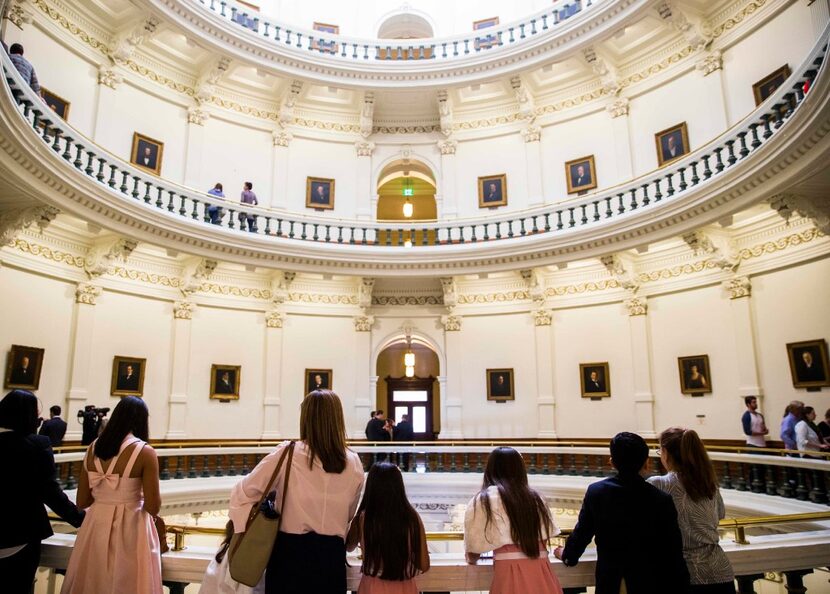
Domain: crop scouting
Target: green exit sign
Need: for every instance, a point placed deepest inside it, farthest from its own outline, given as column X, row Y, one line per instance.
column 408, row 191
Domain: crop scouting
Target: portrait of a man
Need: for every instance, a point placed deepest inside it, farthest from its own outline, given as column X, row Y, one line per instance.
column 492, row 191
column 595, row 380
column 672, row 143
column 224, row 381
column 765, row 87
column 581, row 174
column 127, row 376
column 500, row 384
column 809, row 366
column 23, row 368
column 57, row 104
column 318, row 379
column 695, row 378
column 319, row 193
column 147, row 153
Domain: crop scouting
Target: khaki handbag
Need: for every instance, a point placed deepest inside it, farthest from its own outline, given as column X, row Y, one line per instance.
column 250, row 550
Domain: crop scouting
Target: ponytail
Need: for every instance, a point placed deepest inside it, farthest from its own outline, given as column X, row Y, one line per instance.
column 691, row 462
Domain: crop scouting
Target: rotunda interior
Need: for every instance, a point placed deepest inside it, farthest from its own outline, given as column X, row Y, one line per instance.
column 535, row 224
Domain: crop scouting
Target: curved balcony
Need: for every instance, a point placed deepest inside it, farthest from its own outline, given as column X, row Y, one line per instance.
column 784, row 140
column 235, row 30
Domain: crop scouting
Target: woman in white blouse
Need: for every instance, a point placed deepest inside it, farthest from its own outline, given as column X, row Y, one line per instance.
column 324, row 489
column 511, row 519
column 806, row 437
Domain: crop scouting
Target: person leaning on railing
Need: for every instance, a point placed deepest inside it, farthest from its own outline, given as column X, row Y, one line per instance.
column 806, row 434
column 28, row 469
column 214, row 210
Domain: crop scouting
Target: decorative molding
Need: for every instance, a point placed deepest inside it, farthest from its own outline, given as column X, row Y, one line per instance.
column 274, row 319
column 450, row 292
column 109, row 77
column 698, row 35
column 364, row 148
column 289, row 101
column 281, row 285
column 636, row 306
column 105, row 253
column 618, row 107
column 18, row 16
column 526, row 104
column 817, row 209
column 363, row 323
column 364, row 293
column 542, row 317
column 323, row 298
column 282, row 137
column 535, row 285
column 448, row 146
column 183, row 310
column 87, row 293
column 208, row 81
column 196, row 271
column 704, row 246
column 123, row 46
column 469, row 299
column 407, row 300
column 367, row 116
column 445, row 114
column 15, row 220
column 616, row 267
column 709, row 63
column 738, row 287
column 532, row 133
column 197, row 116
column 451, row 323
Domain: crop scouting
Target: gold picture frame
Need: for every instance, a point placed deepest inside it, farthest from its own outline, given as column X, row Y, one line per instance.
column 311, row 384
column 492, row 190
column 500, row 384
column 598, row 386
column 695, row 375
column 589, row 177
column 319, row 193
column 56, row 103
column 765, row 87
column 127, row 376
column 147, row 153
column 666, row 139
column 809, row 365
column 23, row 368
column 224, row 381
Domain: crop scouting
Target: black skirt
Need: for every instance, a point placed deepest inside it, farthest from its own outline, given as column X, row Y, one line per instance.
column 305, row 564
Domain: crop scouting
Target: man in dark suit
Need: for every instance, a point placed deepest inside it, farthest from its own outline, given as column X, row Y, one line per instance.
column 225, row 385
column 404, row 432
column 55, row 427
column 499, row 386
column 810, row 370
column 594, row 383
column 377, row 432
column 634, row 525
column 493, row 193
column 579, row 177
column 128, row 380
column 371, row 418
column 23, row 374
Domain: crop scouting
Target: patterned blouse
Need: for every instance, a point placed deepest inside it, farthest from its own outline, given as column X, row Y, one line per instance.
column 707, row 562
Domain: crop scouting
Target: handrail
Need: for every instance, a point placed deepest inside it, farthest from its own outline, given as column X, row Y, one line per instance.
column 300, row 40
column 128, row 183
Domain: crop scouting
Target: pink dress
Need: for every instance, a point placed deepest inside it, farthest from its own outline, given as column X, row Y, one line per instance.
column 117, row 547
column 515, row 573
column 375, row 585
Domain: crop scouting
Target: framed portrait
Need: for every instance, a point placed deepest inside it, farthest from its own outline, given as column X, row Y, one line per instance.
column 127, row 376
column 318, row 379
column 695, row 378
column 492, row 191
column 500, row 385
column 23, row 368
column 595, row 380
column 809, row 366
column 486, row 41
column 319, row 193
column 672, row 143
column 767, row 85
column 321, row 45
column 56, row 103
column 581, row 174
column 147, row 153
column 224, row 382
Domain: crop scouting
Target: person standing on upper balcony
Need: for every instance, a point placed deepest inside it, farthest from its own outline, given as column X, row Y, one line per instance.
column 248, row 197
column 214, row 210
column 24, row 67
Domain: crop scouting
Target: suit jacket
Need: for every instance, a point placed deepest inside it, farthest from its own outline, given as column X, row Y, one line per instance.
column 375, row 431
column 594, row 387
column 635, row 528
column 27, row 461
column 404, row 431
column 21, row 376
column 54, row 429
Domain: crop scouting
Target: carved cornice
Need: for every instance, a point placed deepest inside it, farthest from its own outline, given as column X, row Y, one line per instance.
column 183, row 310
column 387, row 300
column 87, row 293
column 15, row 220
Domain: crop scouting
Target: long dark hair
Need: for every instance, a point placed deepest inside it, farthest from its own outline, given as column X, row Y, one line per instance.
column 18, row 412
column 529, row 516
column 129, row 416
column 391, row 528
column 323, row 430
column 690, row 461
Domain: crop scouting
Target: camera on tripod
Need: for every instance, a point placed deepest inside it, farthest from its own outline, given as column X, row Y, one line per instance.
column 91, row 417
column 92, row 410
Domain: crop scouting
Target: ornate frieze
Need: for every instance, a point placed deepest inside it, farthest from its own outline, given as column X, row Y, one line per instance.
column 196, row 271
column 816, row 209
column 738, row 287
column 87, row 293
column 18, row 16
column 183, row 310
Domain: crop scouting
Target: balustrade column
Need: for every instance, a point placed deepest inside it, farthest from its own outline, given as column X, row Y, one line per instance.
column 637, row 309
column 194, row 149
column 86, row 296
column 739, row 290
column 533, row 158
column 451, row 397
column 447, row 195
column 365, row 193
column 272, row 364
column 280, row 173
column 180, row 372
column 545, row 400
column 620, row 124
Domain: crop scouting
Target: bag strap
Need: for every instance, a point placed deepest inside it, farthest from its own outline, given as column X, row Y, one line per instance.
column 287, row 452
column 285, row 480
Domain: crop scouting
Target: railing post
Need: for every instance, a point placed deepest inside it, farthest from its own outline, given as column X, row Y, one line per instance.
column 746, row 583
column 795, row 580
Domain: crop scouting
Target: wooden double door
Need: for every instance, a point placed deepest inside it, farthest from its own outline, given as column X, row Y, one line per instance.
column 412, row 396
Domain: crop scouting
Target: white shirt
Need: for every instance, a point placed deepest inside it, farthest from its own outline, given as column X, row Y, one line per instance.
column 317, row 501
column 218, row 580
column 805, row 438
column 480, row 537
column 757, row 422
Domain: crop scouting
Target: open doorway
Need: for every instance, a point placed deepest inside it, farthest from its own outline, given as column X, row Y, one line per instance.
column 406, row 194
column 418, row 396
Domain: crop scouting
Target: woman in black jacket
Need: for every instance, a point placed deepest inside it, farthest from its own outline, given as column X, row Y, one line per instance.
column 26, row 461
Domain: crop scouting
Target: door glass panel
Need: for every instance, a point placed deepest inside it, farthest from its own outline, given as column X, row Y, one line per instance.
column 400, row 411
column 419, row 419
column 409, row 395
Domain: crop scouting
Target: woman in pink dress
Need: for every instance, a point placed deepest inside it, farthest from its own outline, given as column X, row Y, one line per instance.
column 390, row 533
column 512, row 520
column 117, row 547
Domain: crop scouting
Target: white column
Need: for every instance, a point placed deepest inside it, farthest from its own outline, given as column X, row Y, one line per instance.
column 279, row 172
column 272, row 364
column 710, row 66
column 107, row 96
column 641, row 365
column 739, row 290
column 447, row 194
column 365, row 192
column 452, row 391
column 545, row 400
column 83, row 333
column 533, row 157
column 180, row 373
column 193, row 157
column 363, row 375
column 618, row 110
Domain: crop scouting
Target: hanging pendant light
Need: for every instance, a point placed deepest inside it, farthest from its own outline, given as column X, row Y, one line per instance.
column 410, row 371
column 409, row 359
column 408, row 209
column 408, row 191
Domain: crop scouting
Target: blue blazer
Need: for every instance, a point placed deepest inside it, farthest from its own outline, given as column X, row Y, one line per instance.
column 637, row 537
column 54, row 429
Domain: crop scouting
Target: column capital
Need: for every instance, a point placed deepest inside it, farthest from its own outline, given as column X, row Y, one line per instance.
column 636, row 306
column 197, row 116
column 451, row 323
column 618, row 107
column 282, row 137
column 711, row 62
column 87, row 293
column 542, row 317
column 364, row 148
column 274, row 319
column 448, row 146
column 109, row 76
column 532, row 133
column 183, row 310
column 738, row 287
column 363, row 323
column 18, row 15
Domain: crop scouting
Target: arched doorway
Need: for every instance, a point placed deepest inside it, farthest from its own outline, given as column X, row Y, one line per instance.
column 406, row 187
column 417, row 396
